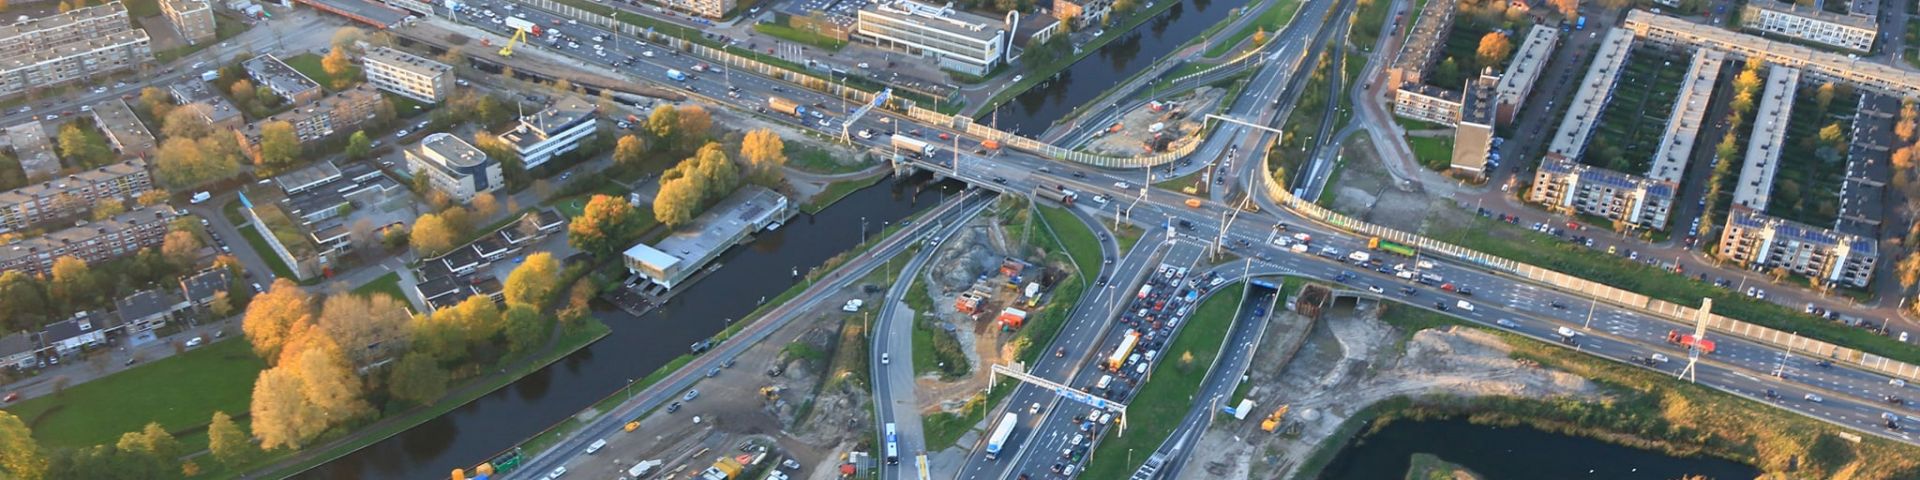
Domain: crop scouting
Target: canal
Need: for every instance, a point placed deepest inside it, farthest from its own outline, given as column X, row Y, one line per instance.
column 1034, row 110
column 637, row 346
column 1499, row 453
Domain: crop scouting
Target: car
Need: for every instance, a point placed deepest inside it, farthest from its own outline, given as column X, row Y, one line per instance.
column 401, row 133
column 673, row 407
column 196, row 341
column 1659, row 358
column 713, row 372
column 1814, row 398
column 1034, row 409
column 257, row 288
column 556, row 473
column 691, row 394
column 1505, row 323
column 1897, row 382
column 1121, row 185
column 886, row 358
column 11, row 396
column 1060, row 352
column 1376, row 289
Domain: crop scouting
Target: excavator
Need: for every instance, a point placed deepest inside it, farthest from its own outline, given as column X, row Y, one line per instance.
column 1273, row 420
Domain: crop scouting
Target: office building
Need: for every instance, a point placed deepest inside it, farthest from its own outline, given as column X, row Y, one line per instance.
column 94, row 242
column 72, row 195
column 1767, row 139
column 1596, row 90
column 285, row 82
column 1473, row 132
column 339, row 114
column 192, row 18
column 1565, row 186
column 959, row 41
column 1820, row 66
column 673, row 260
column 34, row 150
column 1811, row 23
column 1528, row 63
column 124, row 130
column 73, row 61
column 1689, row 110
column 454, row 167
column 408, row 75
column 553, row 131
column 1759, row 242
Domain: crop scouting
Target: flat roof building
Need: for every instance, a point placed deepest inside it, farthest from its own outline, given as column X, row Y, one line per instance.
column 192, row 18
column 1757, row 241
column 957, row 40
column 704, row 8
column 33, row 150
column 212, row 106
column 124, row 130
column 1473, row 133
column 1423, row 45
column 553, row 131
column 1596, row 89
column 94, row 242
column 1859, row 72
column 1689, row 110
column 268, row 71
column 1768, row 138
column 676, row 258
column 455, row 167
column 72, row 195
column 73, row 26
column 1427, row 103
column 1528, row 62
column 79, row 60
column 373, row 14
column 408, row 75
column 1811, row 23
column 1563, row 185
column 338, row 114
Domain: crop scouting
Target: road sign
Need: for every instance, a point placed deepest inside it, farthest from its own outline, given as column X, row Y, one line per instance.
column 881, row 98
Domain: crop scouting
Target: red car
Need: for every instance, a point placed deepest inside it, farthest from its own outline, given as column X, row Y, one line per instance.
column 944, row 136
column 12, row 396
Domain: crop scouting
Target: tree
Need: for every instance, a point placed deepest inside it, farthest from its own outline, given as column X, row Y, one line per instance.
column 525, row 327
column 327, row 377
column 181, row 247
column 663, row 123
column 532, row 283
column 694, row 125
column 1778, row 273
column 1909, row 115
column 1824, row 95
column 431, row 235
column 22, row 303
column 358, row 145
column 1494, row 48
column 1567, row 8
column 1908, row 271
column 243, row 91
column 677, row 202
column 338, row 67
column 579, row 299
column 272, row 316
column 418, row 379
column 485, row 205
column 603, row 225
column 281, row 417
column 222, row 304
column 154, row 442
column 1833, row 136
column 279, row 147
column 366, row 326
column 477, row 320
column 73, row 283
column 1903, row 158
column 1260, row 36
column 1748, row 79
column 1447, row 72
column 106, row 208
column 157, row 102
column 629, row 151
column 19, row 454
column 82, row 145
column 228, row 444
column 346, row 38
column 186, row 122
column 183, row 162
column 151, row 197
column 766, row 157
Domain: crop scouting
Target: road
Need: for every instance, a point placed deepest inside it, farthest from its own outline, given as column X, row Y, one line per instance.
column 1225, row 374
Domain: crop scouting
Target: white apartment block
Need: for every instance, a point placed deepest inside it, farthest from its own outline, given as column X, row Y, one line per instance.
column 74, row 61
column 959, row 41
column 1596, row 89
column 1689, row 110
column 1759, row 242
column 1859, row 72
column 1850, row 32
column 1768, row 137
column 408, row 75
column 1427, row 103
column 80, row 24
column 1528, row 62
column 1563, row 185
column 192, row 18
column 704, row 8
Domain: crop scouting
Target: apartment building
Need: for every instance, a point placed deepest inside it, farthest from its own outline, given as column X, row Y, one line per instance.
column 339, row 114
column 74, row 61
column 453, row 166
column 77, row 25
column 1689, row 111
column 1818, row 65
column 72, row 195
column 1760, row 242
column 1081, row 13
column 94, row 242
column 124, row 130
column 1528, row 62
column 704, row 8
column 268, row 71
column 211, row 106
column 34, row 151
column 1811, row 23
column 1423, row 45
column 192, row 18
column 1768, row 138
column 1473, row 151
column 1427, row 103
column 408, row 75
column 956, row 40
column 553, row 131
column 1563, row 185
column 1596, row 90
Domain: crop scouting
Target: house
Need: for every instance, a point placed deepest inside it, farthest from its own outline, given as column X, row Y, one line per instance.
column 202, row 288
column 148, row 310
column 16, row 351
column 84, row 330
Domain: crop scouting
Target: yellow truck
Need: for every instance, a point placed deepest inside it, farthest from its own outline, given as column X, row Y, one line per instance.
column 724, row 469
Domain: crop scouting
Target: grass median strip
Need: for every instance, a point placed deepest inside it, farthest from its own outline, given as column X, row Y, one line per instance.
column 1165, row 397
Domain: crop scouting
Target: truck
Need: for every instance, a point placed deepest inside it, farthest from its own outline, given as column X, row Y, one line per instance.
column 786, row 106
column 990, row 144
column 1000, row 433
column 1119, row 358
column 1688, row 340
column 640, row 470
column 1376, row 243
column 518, row 23
column 726, row 468
column 1060, row 196
column 210, row 75
column 914, row 145
column 676, row 75
column 1146, row 290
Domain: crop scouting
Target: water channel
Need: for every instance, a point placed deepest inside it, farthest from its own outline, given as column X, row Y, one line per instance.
column 1500, row 453
column 637, row 346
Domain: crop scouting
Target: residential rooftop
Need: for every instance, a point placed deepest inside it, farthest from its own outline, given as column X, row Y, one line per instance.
column 945, row 18
column 1689, row 111
column 1768, row 138
column 123, row 129
column 268, row 71
column 1860, row 72
column 1596, row 88
column 406, row 61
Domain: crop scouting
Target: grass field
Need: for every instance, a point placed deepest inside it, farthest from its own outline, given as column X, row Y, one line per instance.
column 260, row 246
column 1630, row 128
column 781, row 30
column 388, row 285
column 1806, row 188
column 1369, row 20
column 1435, row 153
column 1075, row 236
column 309, row 64
column 1166, row 395
column 816, row 160
column 1270, row 20
column 181, row 392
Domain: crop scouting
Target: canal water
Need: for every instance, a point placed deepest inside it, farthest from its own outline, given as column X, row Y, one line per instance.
column 1034, row 110
column 1502, row 453
column 637, row 346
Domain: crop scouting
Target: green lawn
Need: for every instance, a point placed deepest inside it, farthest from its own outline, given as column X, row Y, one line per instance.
column 1630, row 128
column 1435, row 153
column 1271, row 20
column 404, row 107
column 309, row 64
column 266, row 253
column 181, row 392
column 1806, row 187
column 1167, row 394
column 388, row 285
column 821, row 161
column 789, row 33
column 1370, row 19
column 1075, row 236
column 838, row 190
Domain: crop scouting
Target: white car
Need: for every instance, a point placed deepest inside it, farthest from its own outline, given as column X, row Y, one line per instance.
column 1505, row 323
column 1814, row 398
column 556, row 473
column 886, row 358
column 1034, row 409
column 1121, row 185
column 196, row 341
column 1463, row 305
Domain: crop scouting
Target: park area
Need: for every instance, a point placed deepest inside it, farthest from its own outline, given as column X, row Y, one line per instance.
column 1813, row 162
column 1635, row 119
column 180, row 392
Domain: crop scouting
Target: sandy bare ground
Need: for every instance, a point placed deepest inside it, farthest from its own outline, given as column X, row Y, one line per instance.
column 1133, row 133
column 1349, row 362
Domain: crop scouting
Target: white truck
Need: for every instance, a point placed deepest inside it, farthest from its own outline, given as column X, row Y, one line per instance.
column 641, row 469
column 913, row 145
column 1000, row 433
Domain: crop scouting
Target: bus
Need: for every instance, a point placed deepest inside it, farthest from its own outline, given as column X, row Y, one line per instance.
column 893, row 445
column 1119, row 357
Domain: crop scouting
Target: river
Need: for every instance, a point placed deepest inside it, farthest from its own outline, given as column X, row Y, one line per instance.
column 1034, row 110
column 1501, row 453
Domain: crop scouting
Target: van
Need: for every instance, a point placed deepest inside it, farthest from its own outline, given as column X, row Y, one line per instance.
column 1104, row 381
column 1150, row 354
column 596, row 446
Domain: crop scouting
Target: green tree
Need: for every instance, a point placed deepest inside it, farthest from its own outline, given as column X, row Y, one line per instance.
column 81, row 144
column 663, row 123
column 106, row 208
column 73, row 284
column 279, row 146
column 417, row 379
column 604, row 225
column 155, row 442
column 1823, row 96
column 694, row 126
column 20, row 455
column 1833, row 135
column 358, row 145
column 525, row 327
column 158, row 103
column 186, row 122
column 22, row 303
column 532, row 283
column 227, row 442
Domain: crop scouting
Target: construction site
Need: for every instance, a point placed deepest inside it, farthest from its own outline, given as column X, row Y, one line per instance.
column 1156, row 126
